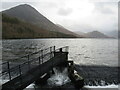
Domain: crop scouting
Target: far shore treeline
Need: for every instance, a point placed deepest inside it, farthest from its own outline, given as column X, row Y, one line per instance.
column 13, row 28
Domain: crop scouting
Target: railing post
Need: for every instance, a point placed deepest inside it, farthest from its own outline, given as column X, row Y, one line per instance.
column 54, row 51
column 42, row 55
column 39, row 57
column 20, row 70
column 9, row 70
column 20, row 73
column 50, row 52
column 28, row 57
column 28, row 62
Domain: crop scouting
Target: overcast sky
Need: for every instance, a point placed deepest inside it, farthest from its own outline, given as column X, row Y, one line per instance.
column 75, row 15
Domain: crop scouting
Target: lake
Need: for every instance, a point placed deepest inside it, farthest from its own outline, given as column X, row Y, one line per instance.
column 96, row 59
column 81, row 51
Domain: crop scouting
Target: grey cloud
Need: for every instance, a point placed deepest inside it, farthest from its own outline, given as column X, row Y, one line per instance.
column 101, row 7
column 82, row 27
column 65, row 12
column 51, row 4
column 57, row 8
column 47, row 4
column 104, row 0
column 7, row 5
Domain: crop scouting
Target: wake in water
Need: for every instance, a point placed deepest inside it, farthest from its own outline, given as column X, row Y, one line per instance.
column 59, row 78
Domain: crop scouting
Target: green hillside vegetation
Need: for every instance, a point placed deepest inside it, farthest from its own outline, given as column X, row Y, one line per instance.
column 13, row 28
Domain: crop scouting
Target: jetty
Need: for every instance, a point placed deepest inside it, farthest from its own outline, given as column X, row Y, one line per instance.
column 35, row 65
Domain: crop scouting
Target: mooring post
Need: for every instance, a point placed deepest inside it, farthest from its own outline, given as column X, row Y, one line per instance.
column 60, row 49
column 9, row 70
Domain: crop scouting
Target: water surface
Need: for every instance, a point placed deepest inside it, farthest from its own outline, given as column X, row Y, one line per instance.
column 81, row 51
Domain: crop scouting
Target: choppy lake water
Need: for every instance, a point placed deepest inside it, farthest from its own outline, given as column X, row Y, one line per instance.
column 81, row 51
column 96, row 59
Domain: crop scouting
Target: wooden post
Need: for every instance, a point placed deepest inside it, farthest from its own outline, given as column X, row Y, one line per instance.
column 9, row 70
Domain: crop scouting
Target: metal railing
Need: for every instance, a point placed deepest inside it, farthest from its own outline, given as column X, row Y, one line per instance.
column 32, row 60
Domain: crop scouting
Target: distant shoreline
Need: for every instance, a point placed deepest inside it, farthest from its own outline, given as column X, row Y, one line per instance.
column 54, row 38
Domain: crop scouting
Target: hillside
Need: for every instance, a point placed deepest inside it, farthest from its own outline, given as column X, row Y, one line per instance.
column 113, row 33
column 64, row 30
column 13, row 28
column 95, row 34
column 80, row 33
column 27, row 13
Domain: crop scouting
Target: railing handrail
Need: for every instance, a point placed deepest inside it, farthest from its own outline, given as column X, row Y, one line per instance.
column 9, row 70
column 27, row 55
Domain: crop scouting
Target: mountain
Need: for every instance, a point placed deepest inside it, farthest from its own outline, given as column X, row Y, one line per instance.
column 96, row 34
column 14, row 28
column 28, row 14
column 66, row 31
column 80, row 33
column 113, row 33
column 93, row 34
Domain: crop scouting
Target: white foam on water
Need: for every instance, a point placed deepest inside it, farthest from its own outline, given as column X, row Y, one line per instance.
column 107, row 86
column 59, row 78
